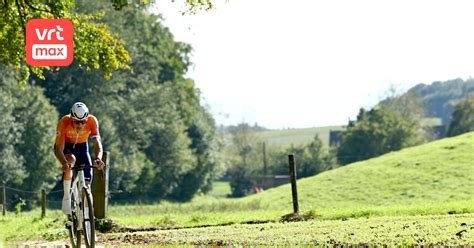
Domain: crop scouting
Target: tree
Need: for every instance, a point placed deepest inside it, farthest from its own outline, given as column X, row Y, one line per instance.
column 151, row 118
column 439, row 98
column 409, row 105
column 28, row 129
column 12, row 171
column 462, row 120
column 376, row 132
column 310, row 159
column 203, row 134
column 95, row 46
column 193, row 5
column 38, row 121
column 243, row 159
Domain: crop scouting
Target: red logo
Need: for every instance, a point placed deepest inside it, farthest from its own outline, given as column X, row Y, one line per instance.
column 49, row 42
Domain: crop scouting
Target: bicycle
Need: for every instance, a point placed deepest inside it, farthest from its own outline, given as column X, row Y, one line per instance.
column 81, row 220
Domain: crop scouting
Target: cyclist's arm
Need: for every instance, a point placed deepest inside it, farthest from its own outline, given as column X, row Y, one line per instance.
column 97, row 148
column 58, row 151
column 59, row 145
column 96, row 138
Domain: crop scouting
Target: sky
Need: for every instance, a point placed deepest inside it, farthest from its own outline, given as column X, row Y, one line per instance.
column 311, row 63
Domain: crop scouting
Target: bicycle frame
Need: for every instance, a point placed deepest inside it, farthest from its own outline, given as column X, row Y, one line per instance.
column 82, row 210
column 77, row 185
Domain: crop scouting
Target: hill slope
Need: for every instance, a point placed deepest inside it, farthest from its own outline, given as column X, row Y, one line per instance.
column 438, row 172
column 431, row 179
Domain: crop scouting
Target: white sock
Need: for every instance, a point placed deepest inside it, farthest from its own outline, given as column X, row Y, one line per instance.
column 67, row 187
column 86, row 212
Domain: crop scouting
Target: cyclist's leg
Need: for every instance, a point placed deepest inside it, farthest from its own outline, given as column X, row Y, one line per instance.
column 82, row 155
column 71, row 159
column 67, row 177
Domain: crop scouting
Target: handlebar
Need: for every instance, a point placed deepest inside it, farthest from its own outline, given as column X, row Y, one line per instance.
column 82, row 167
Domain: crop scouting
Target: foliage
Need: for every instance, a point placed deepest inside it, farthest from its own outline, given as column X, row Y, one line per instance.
column 10, row 171
column 241, row 180
column 19, row 205
column 296, row 136
column 29, row 124
column 408, row 105
column 94, row 45
column 439, row 98
column 243, row 159
column 206, row 147
column 246, row 160
column 38, row 120
column 234, row 128
column 462, row 120
column 310, row 159
column 376, row 132
column 193, row 5
column 162, row 140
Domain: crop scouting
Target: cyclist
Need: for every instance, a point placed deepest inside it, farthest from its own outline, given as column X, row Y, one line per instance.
column 71, row 146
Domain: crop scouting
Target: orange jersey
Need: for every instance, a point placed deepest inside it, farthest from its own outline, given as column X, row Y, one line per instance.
column 67, row 133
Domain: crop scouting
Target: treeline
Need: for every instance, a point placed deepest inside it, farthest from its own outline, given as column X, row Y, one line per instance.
column 395, row 123
column 162, row 140
column 164, row 143
column 440, row 98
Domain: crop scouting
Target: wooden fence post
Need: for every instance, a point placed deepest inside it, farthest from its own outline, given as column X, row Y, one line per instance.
column 294, row 190
column 100, row 188
column 43, row 203
column 265, row 167
column 4, row 199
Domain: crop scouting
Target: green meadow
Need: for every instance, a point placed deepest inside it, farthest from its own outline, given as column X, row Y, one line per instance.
column 422, row 195
column 296, row 136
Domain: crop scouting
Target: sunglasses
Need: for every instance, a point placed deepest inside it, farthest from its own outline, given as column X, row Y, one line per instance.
column 79, row 122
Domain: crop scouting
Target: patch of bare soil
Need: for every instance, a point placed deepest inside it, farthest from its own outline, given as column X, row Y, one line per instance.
column 135, row 239
column 295, row 217
column 106, row 230
column 100, row 242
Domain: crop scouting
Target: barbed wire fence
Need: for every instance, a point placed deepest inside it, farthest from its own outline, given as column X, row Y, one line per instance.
column 53, row 198
column 13, row 197
column 17, row 198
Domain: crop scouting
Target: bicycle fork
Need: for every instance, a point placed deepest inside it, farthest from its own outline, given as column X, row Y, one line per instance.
column 77, row 208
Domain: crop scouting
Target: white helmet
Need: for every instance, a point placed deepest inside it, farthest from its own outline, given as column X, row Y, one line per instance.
column 79, row 111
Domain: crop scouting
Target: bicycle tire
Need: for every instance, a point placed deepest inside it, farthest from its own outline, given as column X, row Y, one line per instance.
column 74, row 234
column 88, row 223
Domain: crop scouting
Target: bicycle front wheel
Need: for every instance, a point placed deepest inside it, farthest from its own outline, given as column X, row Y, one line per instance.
column 73, row 224
column 89, row 220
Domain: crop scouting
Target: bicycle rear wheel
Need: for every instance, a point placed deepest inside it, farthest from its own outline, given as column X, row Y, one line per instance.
column 73, row 223
column 89, row 220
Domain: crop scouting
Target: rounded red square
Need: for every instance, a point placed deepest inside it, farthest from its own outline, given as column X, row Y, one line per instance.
column 49, row 42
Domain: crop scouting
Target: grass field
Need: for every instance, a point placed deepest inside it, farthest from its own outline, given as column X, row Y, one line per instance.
column 389, row 231
column 297, row 136
column 220, row 189
column 417, row 196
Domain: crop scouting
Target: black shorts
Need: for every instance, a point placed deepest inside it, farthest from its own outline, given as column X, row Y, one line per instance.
column 81, row 152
